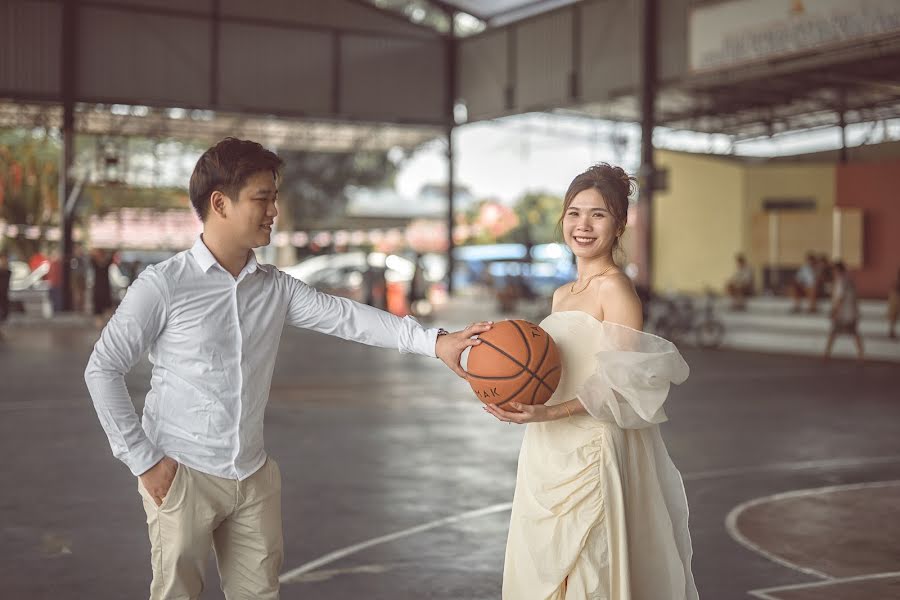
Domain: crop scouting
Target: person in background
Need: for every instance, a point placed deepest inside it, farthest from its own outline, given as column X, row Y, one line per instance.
column 36, row 260
column 5, row 276
column 102, row 291
column 893, row 307
column 824, row 277
column 740, row 285
column 417, row 294
column 55, row 280
column 78, row 269
column 804, row 284
column 844, row 310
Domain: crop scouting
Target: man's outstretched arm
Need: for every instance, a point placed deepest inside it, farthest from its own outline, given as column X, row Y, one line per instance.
column 349, row 320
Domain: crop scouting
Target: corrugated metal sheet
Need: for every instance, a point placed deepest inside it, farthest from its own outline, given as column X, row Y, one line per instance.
column 141, row 58
column 334, row 14
column 30, row 46
column 610, row 48
column 544, row 61
column 673, row 42
column 483, row 74
column 393, row 79
column 281, row 70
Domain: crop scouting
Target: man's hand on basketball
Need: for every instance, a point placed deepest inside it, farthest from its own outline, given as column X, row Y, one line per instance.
column 526, row 413
column 158, row 479
column 449, row 347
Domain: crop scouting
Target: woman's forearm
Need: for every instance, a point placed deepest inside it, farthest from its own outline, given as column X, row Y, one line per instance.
column 567, row 409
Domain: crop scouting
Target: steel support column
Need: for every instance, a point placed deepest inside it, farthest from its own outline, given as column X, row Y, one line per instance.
column 451, row 49
column 67, row 201
column 647, row 175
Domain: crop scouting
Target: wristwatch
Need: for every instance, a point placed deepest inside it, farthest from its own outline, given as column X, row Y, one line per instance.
column 442, row 331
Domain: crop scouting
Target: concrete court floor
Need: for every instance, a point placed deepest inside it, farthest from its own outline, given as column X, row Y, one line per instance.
column 371, row 442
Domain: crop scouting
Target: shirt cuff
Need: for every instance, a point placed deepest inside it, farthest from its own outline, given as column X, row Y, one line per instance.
column 415, row 339
column 142, row 458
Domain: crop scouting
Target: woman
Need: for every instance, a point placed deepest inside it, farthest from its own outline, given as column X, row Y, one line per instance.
column 599, row 509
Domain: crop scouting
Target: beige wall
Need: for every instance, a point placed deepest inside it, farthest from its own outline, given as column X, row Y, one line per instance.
column 799, row 232
column 698, row 223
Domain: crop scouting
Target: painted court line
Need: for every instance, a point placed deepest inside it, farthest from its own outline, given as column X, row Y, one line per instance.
column 343, row 552
column 331, row 557
column 764, row 593
column 735, row 533
column 830, row 463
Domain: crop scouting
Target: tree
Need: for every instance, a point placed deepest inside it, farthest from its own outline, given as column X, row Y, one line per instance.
column 538, row 219
column 313, row 185
column 29, row 174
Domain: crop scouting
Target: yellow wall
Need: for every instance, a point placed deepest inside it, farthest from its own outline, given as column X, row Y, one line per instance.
column 708, row 213
column 698, row 223
column 799, row 232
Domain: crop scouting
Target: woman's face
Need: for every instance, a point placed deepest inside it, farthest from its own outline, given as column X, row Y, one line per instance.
column 589, row 228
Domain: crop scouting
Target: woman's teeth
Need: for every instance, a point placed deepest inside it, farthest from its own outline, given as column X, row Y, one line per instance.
column 583, row 240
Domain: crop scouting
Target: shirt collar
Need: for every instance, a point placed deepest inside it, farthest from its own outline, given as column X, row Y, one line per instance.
column 206, row 259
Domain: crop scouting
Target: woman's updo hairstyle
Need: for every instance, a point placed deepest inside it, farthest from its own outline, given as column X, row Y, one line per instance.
column 613, row 183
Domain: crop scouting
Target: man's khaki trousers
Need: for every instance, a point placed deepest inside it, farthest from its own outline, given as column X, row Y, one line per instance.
column 241, row 520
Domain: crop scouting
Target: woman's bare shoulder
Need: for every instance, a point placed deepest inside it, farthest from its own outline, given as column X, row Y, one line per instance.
column 619, row 301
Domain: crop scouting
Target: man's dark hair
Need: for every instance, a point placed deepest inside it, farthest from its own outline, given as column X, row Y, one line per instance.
column 226, row 167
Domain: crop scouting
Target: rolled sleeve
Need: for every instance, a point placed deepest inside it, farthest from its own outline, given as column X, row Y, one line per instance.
column 135, row 325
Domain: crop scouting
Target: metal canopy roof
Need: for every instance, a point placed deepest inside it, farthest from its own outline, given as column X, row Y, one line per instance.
column 771, row 99
column 317, row 74
column 501, row 12
column 721, row 68
column 357, row 67
column 205, row 126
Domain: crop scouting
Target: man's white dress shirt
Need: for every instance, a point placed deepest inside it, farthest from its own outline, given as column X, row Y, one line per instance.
column 212, row 339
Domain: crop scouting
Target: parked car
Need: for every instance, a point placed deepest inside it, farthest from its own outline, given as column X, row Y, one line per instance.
column 344, row 274
column 29, row 292
column 547, row 267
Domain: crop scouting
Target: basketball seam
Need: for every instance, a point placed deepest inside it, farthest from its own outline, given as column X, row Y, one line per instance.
column 528, row 347
column 533, row 375
column 537, row 388
column 540, row 363
column 524, row 368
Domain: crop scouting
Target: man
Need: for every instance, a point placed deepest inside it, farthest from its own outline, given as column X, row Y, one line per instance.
column 804, row 284
column 740, row 285
column 212, row 319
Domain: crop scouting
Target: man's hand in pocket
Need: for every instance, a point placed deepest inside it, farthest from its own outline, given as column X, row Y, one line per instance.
column 158, row 479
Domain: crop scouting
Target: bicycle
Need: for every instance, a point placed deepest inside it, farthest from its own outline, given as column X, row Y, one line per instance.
column 679, row 320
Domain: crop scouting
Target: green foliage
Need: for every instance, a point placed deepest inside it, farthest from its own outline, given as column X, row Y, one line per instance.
column 29, row 174
column 313, row 185
column 538, row 220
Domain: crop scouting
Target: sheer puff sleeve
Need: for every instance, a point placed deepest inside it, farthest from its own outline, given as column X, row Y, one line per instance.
column 632, row 378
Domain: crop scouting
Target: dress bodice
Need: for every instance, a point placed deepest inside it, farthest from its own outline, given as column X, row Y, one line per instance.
column 578, row 336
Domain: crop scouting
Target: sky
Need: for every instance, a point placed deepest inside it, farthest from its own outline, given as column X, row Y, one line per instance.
column 506, row 158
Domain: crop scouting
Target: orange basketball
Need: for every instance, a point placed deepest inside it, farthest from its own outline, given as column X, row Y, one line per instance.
column 516, row 361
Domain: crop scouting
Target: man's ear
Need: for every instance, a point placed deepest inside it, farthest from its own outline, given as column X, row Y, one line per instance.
column 217, row 203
